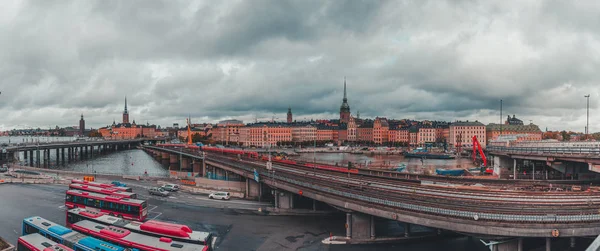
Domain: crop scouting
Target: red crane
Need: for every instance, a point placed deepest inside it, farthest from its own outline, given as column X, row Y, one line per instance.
column 476, row 146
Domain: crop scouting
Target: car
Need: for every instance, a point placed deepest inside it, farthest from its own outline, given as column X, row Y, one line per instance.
column 158, row 191
column 4, row 168
column 170, row 187
column 119, row 184
column 219, row 196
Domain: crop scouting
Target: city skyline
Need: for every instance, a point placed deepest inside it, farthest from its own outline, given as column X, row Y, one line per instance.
column 430, row 65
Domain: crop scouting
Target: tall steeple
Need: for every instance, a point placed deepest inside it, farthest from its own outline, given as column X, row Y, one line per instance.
column 345, row 98
column 125, row 113
column 345, row 108
column 289, row 115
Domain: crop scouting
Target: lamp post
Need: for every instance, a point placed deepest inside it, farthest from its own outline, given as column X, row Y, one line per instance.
column 587, row 122
column 315, row 157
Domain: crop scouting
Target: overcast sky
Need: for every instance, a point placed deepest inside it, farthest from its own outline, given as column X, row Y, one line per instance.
column 216, row 60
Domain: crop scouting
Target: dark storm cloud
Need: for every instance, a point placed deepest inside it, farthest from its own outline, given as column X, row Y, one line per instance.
column 213, row 60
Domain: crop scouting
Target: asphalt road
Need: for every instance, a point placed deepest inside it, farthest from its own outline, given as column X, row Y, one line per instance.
column 237, row 229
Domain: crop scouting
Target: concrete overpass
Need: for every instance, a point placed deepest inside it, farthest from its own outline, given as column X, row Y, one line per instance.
column 490, row 214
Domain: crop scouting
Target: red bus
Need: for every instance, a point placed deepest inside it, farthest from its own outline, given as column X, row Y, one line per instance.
column 154, row 228
column 107, row 191
column 131, row 209
column 37, row 242
column 129, row 239
column 102, row 185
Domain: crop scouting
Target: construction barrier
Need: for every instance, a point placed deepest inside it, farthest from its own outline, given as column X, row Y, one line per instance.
column 89, row 178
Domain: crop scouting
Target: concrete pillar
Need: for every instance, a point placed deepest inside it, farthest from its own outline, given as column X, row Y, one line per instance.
column 62, row 153
column 406, row 229
column 291, row 200
column 548, row 244
column 92, row 151
column 185, row 163
column 533, row 174
column 572, row 242
column 495, row 247
column 372, row 227
column 25, row 157
column 514, row 169
column 348, row 225
column 57, row 156
column 259, row 191
column 31, row 163
column 196, row 168
column 173, row 162
column 37, row 156
column 276, row 196
column 314, row 205
column 204, row 169
column 520, row 244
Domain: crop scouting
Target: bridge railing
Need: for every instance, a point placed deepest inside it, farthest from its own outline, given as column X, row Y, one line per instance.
column 552, row 150
column 376, row 199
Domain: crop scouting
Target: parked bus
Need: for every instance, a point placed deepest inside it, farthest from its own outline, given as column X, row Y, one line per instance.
column 37, row 242
column 102, row 185
column 132, row 209
column 107, row 191
column 67, row 237
column 134, row 240
column 153, row 227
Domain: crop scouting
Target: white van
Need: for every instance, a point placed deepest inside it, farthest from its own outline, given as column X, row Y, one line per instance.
column 219, row 196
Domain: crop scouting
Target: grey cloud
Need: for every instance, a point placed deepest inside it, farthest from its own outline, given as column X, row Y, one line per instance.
column 211, row 60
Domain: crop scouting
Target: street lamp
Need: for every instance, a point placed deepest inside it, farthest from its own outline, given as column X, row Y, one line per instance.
column 587, row 123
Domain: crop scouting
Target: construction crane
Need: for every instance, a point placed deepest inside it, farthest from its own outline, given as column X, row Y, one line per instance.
column 477, row 146
column 189, row 131
column 459, row 144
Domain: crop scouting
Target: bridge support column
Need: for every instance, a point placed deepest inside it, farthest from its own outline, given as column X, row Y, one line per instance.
column 572, row 242
column 91, row 151
column 173, row 162
column 185, row 164
column 196, row 168
column 57, row 156
column 548, row 244
column 62, row 155
column 31, row 158
column 252, row 189
column 348, row 225
column 406, row 229
column 25, row 157
column 81, row 153
column 520, row 244
column 514, row 169
column 372, row 226
column 37, row 158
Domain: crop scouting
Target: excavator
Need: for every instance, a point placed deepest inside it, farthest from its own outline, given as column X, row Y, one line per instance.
column 477, row 146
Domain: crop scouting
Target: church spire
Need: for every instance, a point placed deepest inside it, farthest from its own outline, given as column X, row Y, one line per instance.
column 125, row 105
column 345, row 99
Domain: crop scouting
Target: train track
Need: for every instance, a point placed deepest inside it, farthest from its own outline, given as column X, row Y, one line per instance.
column 518, row 206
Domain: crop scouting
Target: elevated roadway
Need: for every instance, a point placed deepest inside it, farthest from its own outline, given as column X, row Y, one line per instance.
column 492, row 213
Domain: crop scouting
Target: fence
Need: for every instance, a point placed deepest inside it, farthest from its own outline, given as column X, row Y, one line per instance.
column 553, row 150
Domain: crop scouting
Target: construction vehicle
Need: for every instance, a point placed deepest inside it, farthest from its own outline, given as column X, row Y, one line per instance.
column 477, row 147
column 189, row 132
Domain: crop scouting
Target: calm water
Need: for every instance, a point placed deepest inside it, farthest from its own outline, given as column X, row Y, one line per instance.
column 387, row 161
column 128, row 162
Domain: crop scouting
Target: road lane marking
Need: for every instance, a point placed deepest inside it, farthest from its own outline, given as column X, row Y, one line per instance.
column 159, row 214
column 150, row 210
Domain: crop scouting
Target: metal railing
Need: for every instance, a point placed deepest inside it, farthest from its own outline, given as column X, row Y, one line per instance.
column 547, row 218
column 543, row 150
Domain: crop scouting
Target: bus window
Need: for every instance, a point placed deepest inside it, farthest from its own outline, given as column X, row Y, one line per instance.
column 30, row 229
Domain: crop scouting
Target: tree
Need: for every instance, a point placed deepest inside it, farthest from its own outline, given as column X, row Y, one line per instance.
column 95, row 134
column 565, row 135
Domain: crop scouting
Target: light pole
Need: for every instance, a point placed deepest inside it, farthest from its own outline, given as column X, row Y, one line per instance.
column 587, row 122
column 315, row 157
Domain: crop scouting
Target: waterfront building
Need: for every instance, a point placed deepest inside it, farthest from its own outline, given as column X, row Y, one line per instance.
column 227, row 131
column 345, row 108
column 326, row 133
column 529, row 132
column 265, row 134
column 413, row 136
column 303, row 132
column 380, row 131
column 426, row 135
column 365, row 131
column 289, row 115
column 128, row 130
column 464, row 132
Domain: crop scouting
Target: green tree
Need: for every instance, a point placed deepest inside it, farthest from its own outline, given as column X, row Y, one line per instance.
column 565, row 135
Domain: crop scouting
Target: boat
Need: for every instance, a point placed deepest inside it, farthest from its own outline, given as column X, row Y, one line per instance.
column 400, row 168
column 450, row 172
column 426, row 155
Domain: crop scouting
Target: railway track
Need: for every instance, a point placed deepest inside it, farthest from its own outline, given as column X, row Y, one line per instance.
column 569, row 207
